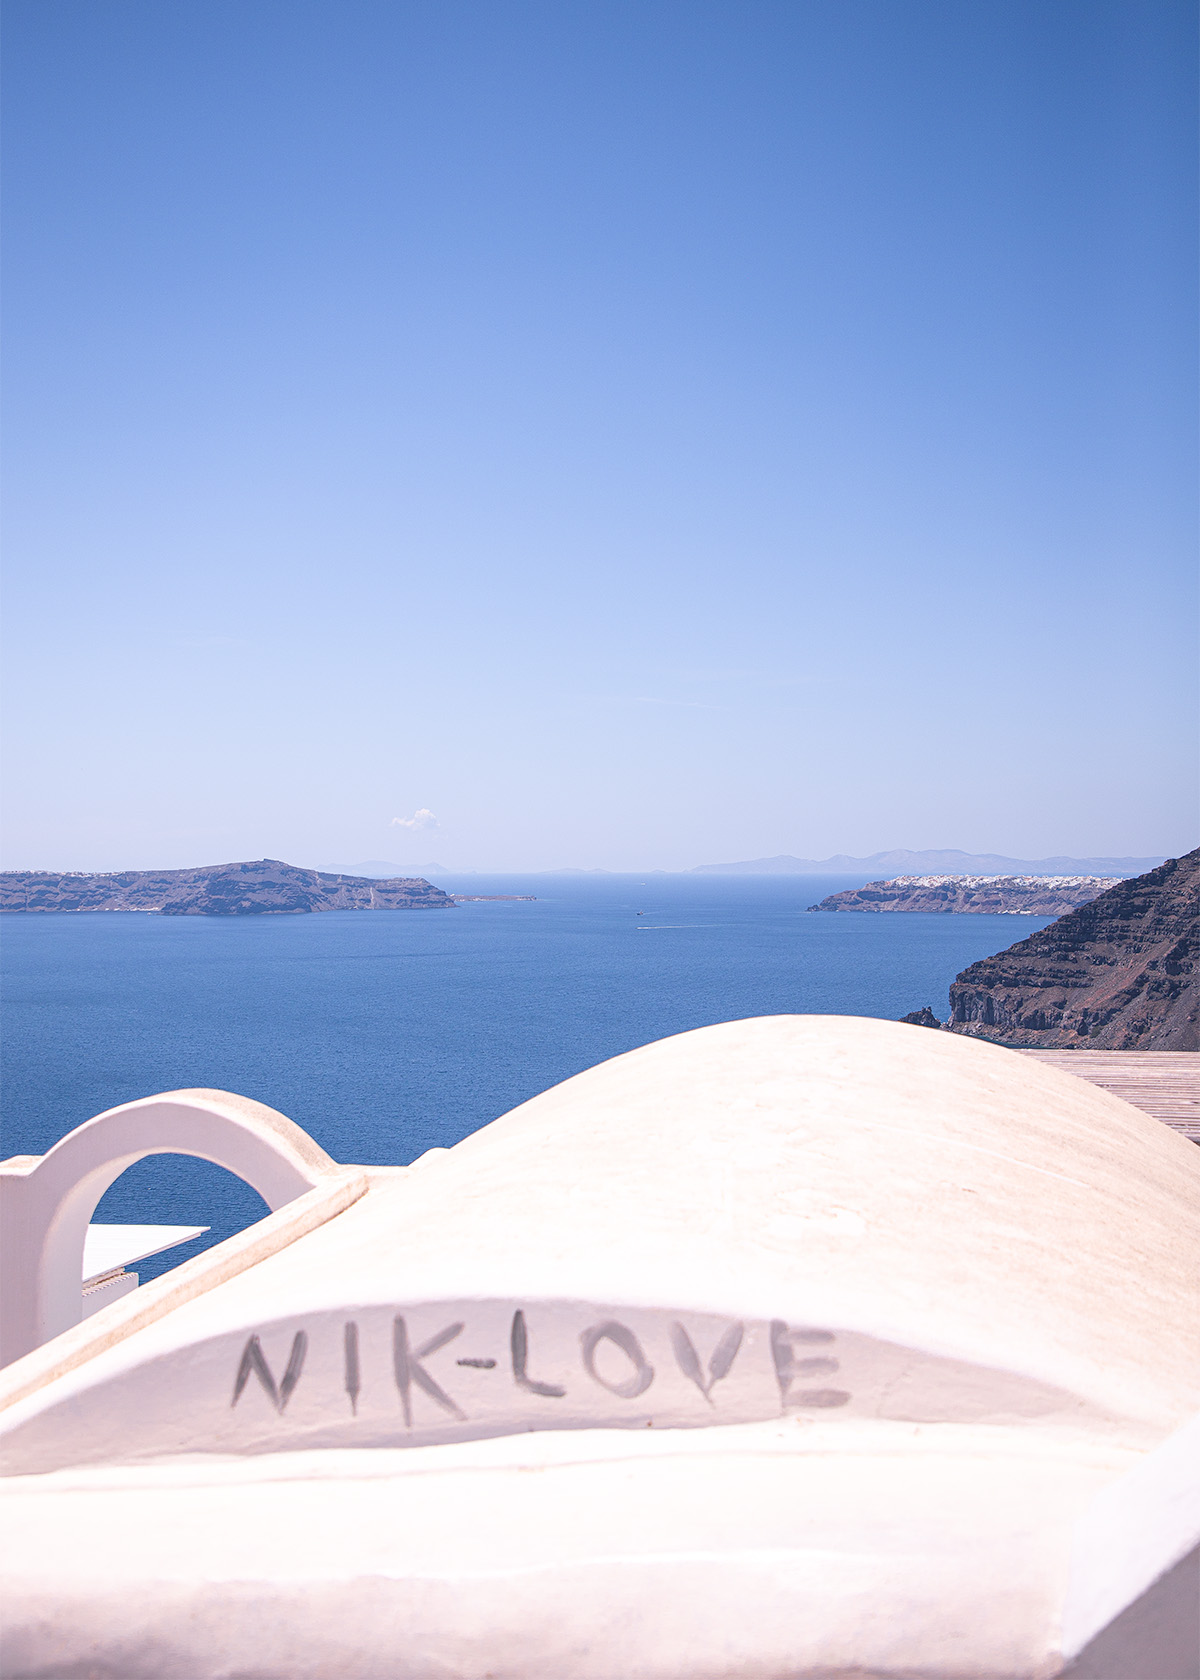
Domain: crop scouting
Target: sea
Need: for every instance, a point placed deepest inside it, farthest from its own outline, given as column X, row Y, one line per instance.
column 387, row 1033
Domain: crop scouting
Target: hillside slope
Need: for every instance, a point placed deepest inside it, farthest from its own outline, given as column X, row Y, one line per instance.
column 266, row 887
column 1120, row 973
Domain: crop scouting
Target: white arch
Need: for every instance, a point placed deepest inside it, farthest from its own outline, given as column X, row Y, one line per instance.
column 47, row 1201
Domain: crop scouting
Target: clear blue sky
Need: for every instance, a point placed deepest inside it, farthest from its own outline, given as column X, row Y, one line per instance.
column 639, row 434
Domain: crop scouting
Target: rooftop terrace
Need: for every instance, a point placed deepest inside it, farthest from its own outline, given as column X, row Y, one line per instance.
column 1162, row 1083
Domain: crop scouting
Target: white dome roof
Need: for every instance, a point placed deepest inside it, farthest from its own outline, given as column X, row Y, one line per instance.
column 936, row 1294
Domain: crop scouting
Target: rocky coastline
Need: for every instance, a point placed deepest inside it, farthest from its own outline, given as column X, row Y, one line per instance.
column 1122, row 972
column 263, row 888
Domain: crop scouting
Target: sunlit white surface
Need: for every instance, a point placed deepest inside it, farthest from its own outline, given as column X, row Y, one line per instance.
column 790, row 1347
column 109, row 1247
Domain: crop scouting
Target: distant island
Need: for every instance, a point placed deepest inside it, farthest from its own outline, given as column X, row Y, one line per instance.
column 264, row 888
column 892, row 864
column 1122, row 972
column 493, row 898
column 983, row 895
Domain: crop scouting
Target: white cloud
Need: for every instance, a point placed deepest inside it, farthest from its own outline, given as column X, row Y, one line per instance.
column 419, row 819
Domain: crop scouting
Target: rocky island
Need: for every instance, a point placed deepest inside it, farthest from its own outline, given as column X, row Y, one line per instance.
column 1120, row 973
column 991, row 895
column 266, row 887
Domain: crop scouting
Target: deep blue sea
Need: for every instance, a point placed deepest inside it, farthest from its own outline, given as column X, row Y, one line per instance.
column 385, row 1033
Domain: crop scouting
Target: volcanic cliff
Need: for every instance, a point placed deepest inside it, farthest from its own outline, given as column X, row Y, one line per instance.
column 267, row 887
column 1118, row 974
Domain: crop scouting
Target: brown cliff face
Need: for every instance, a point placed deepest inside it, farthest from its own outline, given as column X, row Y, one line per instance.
column 1121, row 973
column 266, row 887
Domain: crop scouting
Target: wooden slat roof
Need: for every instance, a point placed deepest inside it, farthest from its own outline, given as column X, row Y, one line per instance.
column 1162, row 1083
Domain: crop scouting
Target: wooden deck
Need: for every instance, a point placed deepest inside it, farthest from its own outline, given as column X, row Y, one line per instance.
column 1162, row 1083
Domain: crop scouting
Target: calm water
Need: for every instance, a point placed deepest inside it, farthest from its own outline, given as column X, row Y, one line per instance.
column 384, row 1034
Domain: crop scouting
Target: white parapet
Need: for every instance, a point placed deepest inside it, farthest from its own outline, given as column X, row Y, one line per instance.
column 103, row 1291
column 110, row 1248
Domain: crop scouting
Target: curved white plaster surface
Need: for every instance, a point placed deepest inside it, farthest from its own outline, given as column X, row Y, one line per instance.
column 795, row 1346
column 1132, row 1533
column 775, row 1550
